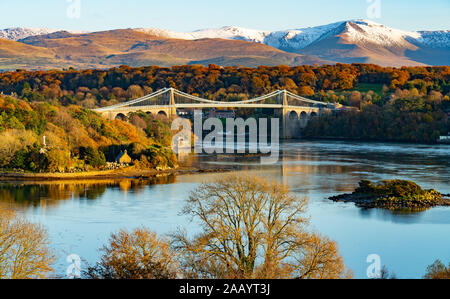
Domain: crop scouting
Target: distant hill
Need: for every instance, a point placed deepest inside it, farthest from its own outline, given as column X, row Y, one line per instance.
column 15, row 55
column 20, row 33
column 354, row 41
column 116, row 47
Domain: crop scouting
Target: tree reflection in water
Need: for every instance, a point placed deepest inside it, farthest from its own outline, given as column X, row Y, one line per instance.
column 25, row 195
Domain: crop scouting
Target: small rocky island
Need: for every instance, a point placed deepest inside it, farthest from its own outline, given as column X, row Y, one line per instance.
column 395, row 195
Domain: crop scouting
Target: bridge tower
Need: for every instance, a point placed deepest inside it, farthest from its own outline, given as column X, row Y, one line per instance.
column 173, row 109
column 285, row 115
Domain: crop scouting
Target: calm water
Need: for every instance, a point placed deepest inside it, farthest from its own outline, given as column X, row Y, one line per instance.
column 80, row 216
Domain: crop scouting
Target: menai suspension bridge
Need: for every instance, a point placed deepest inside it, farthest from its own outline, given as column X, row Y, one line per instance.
column 295, row 111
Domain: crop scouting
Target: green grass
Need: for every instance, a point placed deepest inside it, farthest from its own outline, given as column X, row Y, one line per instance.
column 365, row 87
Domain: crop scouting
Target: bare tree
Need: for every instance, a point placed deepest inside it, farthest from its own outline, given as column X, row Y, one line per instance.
column 24, row 248
column 386, row 274
column 319, row 258
column 253, row 228
column 136, row 255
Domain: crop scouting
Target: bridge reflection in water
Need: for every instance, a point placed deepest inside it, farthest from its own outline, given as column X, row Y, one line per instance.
column 294, row 111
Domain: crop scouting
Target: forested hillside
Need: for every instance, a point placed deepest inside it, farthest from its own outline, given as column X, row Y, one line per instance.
column 76, row 139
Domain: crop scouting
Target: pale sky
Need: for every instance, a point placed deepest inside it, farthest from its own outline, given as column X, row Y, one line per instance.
column 189, row 15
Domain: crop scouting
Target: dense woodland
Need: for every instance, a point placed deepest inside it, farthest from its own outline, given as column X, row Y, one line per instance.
column 94, row 88
column 76, row 139
column 406, row 116
column 400, row 104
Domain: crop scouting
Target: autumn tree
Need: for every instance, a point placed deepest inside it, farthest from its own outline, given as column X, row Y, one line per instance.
column 318, row 258
column 253, row 228
column 306, row 91
column 24, row 248
column 355, row 99
column 12, row 141
column 134, row 91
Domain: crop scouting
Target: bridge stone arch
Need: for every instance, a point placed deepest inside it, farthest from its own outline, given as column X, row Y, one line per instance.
column 120, row 116
column 295, row 119
column 304, row 119
column 293, row 116
column 162, row 113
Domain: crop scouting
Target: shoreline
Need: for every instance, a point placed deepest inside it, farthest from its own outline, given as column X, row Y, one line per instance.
column 127, row 173
column 369, row 201
column 331, row 138
column 131, row 173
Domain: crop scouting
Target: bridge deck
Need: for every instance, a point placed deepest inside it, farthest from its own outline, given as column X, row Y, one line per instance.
column 167, row 99
column 203, row 106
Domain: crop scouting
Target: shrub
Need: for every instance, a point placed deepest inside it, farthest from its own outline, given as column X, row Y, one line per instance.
column 438, row 271
column 395, row 188
column 399, row 194
column 136, row 255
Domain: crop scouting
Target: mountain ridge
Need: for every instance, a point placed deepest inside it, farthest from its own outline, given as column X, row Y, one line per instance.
column 311, row 34
column 302, row 34
column 352, row 41
column 18, row 33
column 112, row 48
column 373, row 42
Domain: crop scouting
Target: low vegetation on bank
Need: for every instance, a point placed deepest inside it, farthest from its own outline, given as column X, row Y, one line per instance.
column 397, row 195
column 45, row 137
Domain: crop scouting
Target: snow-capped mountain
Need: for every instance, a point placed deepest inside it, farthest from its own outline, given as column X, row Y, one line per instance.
column 292, row 40
column 229, row 32
column 19, row 33
column 364, row 31
column 297, row 39
column 435, row 39
column 301, row 38
column 362, row 41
